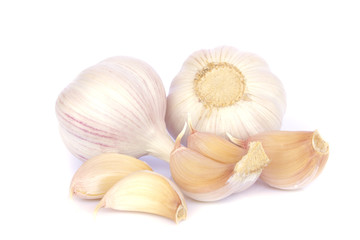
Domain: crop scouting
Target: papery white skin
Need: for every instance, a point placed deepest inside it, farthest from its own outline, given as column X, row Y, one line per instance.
column 117, row 105
column 261, row 108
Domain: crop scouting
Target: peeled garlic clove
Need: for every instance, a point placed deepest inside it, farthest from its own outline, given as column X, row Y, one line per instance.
column 205, row 179
column 225, row 90
column 97, row 175
column 148, row 192
column 214, row 147
column 117, row 105
column 297, row 158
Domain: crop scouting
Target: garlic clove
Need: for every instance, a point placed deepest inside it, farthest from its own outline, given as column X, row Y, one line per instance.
column 214, row 147
column 146, row 191
column 205, row 179
column 225, row 90
column 98, row 174
column 297, row 158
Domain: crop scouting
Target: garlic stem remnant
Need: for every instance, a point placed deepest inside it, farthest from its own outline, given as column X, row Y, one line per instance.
column 205, row 179
column 117, row 105
column 148, row 192
column 98, row 174
column 297, row 158
column 225, row 90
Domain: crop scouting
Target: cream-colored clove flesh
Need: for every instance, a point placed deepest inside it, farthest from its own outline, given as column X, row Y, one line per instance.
column 149, row 192
column 297, row 158
column 206, row 179
column 98, row 174
column 214, row 147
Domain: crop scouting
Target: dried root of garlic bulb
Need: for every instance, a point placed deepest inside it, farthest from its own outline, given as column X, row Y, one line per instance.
column 149, row 192
column 225, row 90
column 209, row 179
column 117, row 105
column 98, row 174
column 297, row 158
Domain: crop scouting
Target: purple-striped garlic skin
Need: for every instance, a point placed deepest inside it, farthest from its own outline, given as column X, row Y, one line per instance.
column 117, row 105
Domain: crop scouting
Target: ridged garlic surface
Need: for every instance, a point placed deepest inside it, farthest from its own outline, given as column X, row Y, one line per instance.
column 297, row 157
column 225, row 90
column 117, row 105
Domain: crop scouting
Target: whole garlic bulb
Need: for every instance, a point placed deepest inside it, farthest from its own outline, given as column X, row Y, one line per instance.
column 117, row 105
column 225, row 90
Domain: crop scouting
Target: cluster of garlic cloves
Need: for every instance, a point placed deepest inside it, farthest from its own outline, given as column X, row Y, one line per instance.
column 297, row 157
column 128, row 184
column 205, row 173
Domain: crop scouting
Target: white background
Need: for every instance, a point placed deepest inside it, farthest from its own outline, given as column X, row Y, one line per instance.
column 312, row 46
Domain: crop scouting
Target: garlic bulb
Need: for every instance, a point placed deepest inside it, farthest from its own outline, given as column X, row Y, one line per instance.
column 117, row 105
column 225, row 90
column 297, row 158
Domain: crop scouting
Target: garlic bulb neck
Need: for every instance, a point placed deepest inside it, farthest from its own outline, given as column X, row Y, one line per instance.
column 161, row 146
column 215, row 92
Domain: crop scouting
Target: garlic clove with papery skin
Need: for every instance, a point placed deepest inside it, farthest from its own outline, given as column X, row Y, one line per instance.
column 297, row 157
column 117, row 105
column 146, row 191
column 206, row 179
column 213, row 146
column 98, row 174
column 225, row 90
